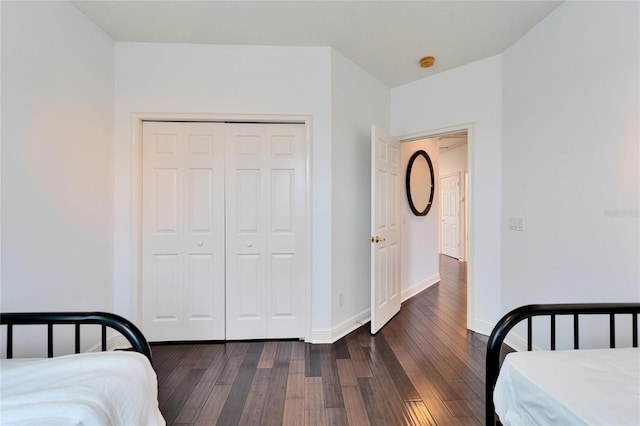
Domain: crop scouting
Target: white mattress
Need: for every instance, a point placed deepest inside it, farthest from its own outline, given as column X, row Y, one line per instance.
column 592, row 387
column 103, row 388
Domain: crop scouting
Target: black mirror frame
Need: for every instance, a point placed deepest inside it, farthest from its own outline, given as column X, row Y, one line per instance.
column 420, row 153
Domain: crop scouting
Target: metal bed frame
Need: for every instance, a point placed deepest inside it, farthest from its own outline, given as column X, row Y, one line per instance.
column 502, row 328
column 104, row 319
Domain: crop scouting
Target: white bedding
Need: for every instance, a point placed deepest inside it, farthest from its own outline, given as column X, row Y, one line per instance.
column 103, row 388
column 592, row 387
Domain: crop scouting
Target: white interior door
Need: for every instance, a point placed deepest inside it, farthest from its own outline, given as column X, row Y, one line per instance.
column 183, row 231
column 450, row 220
column 265, row 211
column 385, row 228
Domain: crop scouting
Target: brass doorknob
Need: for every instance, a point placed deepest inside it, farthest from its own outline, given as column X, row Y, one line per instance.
column 377, row 239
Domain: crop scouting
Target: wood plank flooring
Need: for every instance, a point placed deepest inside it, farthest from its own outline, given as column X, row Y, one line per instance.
column 422, row 368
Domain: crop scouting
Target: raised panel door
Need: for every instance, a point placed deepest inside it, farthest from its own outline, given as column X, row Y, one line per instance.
column 265, row 231
column 182, row 293
column 385, row 228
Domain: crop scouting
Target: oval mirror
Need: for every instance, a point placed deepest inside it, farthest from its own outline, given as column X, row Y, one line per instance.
column 420, row 183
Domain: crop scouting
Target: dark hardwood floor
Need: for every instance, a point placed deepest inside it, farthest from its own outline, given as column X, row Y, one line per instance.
column 422, row 368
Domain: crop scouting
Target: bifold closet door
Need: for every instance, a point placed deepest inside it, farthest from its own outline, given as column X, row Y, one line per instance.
column 265, row 238
column 183, row 242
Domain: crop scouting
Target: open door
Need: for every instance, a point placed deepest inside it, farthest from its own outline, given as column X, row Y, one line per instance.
column 385, row 228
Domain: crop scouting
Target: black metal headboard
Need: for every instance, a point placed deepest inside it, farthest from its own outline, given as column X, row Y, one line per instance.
column 510, row 320
column 104, row 319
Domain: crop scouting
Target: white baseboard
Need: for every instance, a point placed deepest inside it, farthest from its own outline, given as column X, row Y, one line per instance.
column 351, row 324
column 330, row 335
column 518, row 343
column 408, row 293
column 320, row 335
column 482, row 327
column 513, row 340
column 115, row 341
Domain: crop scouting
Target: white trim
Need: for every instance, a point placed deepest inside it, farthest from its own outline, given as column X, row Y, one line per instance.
column 136, row 190
column 465, row 214
column 482, row 327
column 331, row 335
column 309, row 223
column 408, row 293
column 471, row 299
column 513, row 340
column 320, row 335
column 117, row 341
column 350, row 324
column 114, row 341
column 518, row 343
column 428, row 134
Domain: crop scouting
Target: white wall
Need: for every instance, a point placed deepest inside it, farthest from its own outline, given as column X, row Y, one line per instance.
column 57, row 162
column 570, row 157
column 178, row 78
column 454, row 160
column 420, row 234
column 568, row 121
column 471, row 94
column 358, row 100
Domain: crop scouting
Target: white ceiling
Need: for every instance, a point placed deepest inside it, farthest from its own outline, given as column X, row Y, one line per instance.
column 386, row 38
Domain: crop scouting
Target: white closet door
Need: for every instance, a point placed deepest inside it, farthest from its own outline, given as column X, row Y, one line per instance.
column 265, row 220
column 183, row 231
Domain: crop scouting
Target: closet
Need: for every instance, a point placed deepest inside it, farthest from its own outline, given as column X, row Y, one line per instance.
column 223, row 231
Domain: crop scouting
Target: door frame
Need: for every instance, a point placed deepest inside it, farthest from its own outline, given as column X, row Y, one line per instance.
column 465, row 220
column 136, row 191
column 469, row 127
